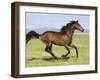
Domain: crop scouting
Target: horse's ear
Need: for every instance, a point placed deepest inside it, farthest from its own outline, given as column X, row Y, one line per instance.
column 77, row 21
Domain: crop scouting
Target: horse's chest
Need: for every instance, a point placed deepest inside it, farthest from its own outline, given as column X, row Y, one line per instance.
column 67, row 39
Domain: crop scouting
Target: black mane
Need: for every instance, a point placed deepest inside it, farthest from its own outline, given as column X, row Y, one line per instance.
column 67, row 26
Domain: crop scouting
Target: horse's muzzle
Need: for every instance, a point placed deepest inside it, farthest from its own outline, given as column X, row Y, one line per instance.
column 82, row 30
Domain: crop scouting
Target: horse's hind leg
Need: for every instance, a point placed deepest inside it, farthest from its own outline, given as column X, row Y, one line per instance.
column 73, row 46
column 49, row 50
column 67, row 52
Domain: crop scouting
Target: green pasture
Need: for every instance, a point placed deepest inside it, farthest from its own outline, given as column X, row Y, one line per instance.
column 36, row 55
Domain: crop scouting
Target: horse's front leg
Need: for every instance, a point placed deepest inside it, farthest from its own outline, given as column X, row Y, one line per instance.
column 73, row 46
column 67, row 48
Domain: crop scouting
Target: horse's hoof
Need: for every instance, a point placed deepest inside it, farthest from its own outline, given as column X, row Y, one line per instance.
column 56, row 58
column 63, row 56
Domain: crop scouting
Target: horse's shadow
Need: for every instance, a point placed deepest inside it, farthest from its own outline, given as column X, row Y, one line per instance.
column 49, row 59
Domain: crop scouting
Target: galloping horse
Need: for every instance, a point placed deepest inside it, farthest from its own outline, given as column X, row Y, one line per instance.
column 62, row 38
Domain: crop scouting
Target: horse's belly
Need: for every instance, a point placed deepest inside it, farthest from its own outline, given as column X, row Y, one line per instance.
column 61, row 42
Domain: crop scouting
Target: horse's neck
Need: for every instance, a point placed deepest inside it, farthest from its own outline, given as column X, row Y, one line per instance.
column 70, row 32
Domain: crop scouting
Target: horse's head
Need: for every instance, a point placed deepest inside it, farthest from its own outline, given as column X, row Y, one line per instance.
column 77, row 26
column 73, row 25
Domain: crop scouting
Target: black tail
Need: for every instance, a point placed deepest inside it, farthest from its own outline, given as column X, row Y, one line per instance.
column 30, row 35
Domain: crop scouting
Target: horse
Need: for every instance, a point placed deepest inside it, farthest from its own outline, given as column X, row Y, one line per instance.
column 62, row 38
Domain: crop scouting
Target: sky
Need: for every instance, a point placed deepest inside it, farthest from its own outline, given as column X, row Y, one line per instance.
column 36, row 21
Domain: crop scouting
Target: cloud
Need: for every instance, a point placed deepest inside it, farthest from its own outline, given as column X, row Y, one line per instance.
column 30, row 27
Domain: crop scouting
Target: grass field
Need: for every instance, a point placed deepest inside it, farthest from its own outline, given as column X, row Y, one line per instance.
column 36, row 56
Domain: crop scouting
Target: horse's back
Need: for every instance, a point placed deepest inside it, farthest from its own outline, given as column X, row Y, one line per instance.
column 48, row 35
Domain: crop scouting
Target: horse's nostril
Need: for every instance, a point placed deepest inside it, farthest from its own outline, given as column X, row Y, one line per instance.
column 82, row 30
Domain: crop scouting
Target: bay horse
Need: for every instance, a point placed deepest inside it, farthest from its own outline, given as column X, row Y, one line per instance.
column 62, row 38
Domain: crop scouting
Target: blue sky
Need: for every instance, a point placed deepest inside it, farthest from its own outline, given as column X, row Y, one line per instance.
column 36, row 21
